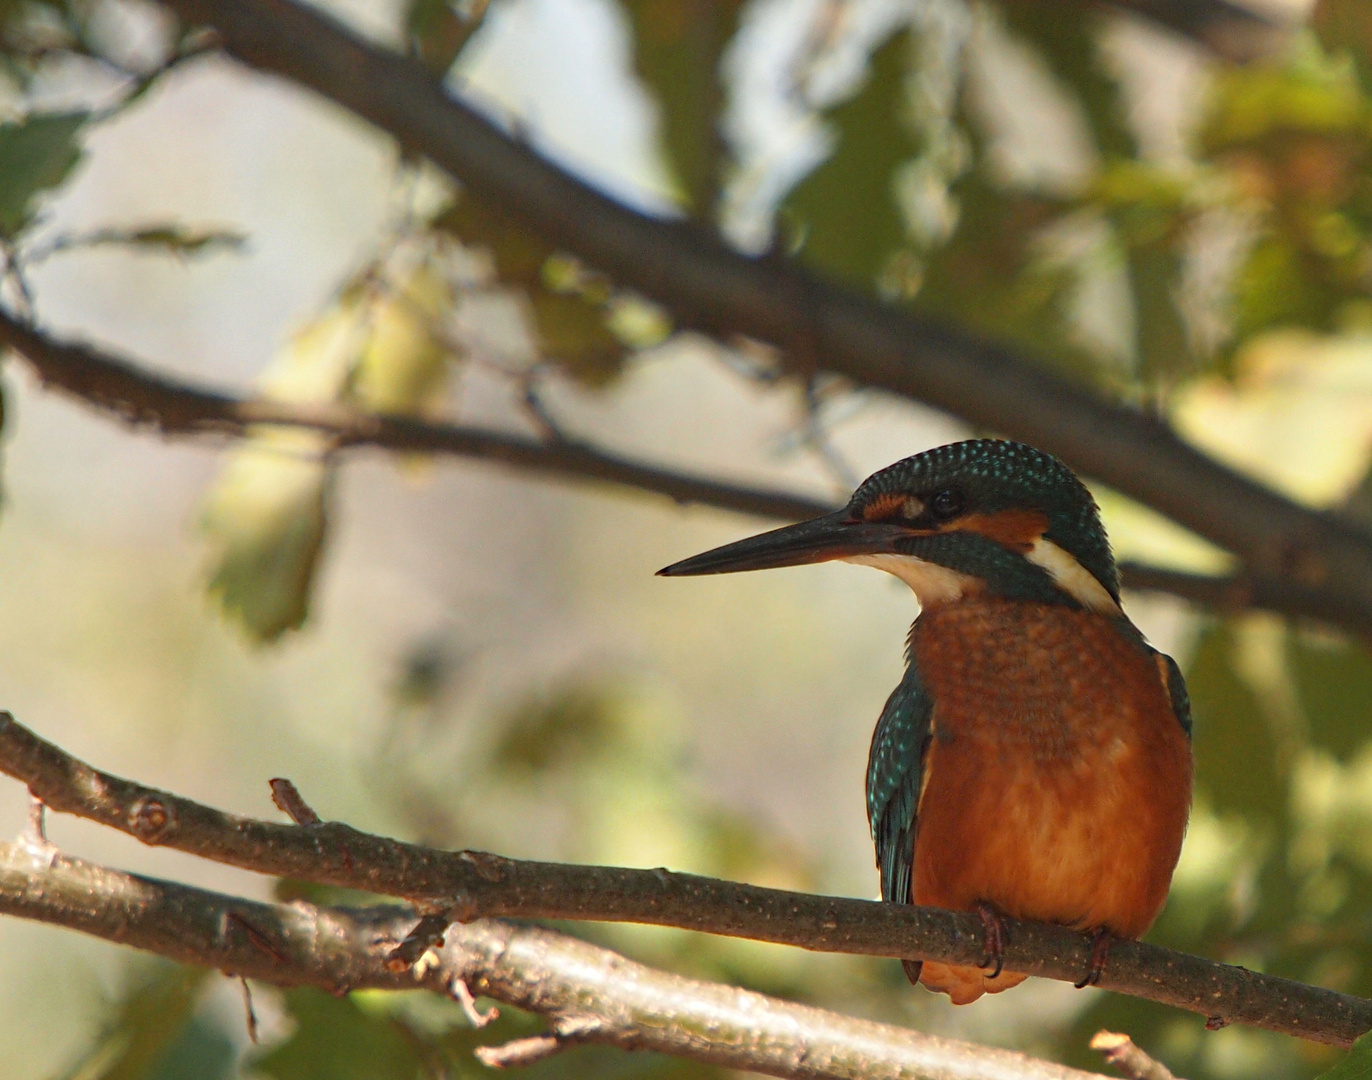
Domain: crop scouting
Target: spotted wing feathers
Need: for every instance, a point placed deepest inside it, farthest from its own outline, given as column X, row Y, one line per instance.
column 895, row 771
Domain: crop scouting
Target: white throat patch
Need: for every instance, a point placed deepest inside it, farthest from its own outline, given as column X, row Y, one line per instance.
column 932, row 584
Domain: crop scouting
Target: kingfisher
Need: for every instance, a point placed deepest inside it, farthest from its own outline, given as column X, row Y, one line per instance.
column 1035, row 760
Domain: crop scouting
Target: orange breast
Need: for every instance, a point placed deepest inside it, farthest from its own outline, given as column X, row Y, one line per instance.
column 1058, row 780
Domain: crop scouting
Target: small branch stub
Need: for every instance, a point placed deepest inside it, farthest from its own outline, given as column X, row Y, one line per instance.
column 427, row 934
column 291, row 803
column 462, row 994
column 1131, row 1062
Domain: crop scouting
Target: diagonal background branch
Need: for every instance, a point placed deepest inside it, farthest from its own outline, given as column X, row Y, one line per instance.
column 709, row 286
column 141, row 397
column 475, row 884
column 589, row 994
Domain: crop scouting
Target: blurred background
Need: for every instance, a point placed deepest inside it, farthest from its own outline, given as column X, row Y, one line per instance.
column 453, row 653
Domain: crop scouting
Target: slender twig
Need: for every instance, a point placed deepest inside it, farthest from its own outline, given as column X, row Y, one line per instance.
column 472, row 884
column 174, row 407
column 708, row 286
column 1131, row 1062
column 289, row 801
column 588, row 994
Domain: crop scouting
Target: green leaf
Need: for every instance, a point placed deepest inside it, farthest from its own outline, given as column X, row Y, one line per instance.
column 200, row 1052
column 1344, row 27
column 404, row 363
column 1356, row 1066
column 1334, row 682
column 266, row 514
column 1070, row 47
column 439, row 32
column 573, row 320
column 36, row 154
column 265, row 519
column 1236, row 756
column 573, row 334
column 336, row 1040
column 1278, row 285
column 1311, row 94
column 518, row 251
column 845, row 211
column 146, row 1033
column 677, row 49
column 577, row 723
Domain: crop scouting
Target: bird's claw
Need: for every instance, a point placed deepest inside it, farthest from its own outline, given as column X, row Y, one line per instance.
column 994, row 928
column 1100, row 953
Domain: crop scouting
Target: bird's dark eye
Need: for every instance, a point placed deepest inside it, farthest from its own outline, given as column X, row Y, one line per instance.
column 947, row 504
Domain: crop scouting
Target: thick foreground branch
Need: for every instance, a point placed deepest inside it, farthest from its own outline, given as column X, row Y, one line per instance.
column 709, row 286
column 588, row 994
column 138, row 396
column 473, row 885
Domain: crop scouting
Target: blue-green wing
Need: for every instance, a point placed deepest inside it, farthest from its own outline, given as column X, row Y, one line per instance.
column 1176, row 690
column 895, row 770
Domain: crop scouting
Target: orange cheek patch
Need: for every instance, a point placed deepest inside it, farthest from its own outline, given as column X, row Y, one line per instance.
column 884, row 506
column 1017, row 530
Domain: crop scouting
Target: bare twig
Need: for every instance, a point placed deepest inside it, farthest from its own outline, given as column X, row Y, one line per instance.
column 1131, row 1062
column 519, row 1052
column 138, row 396
column 474, row 884
column 460, row 992
column 291, row 803
column 588, row 994
column 36, row 827
column 250, row 1014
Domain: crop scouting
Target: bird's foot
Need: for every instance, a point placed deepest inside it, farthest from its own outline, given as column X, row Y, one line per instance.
column 994, row 927
column 1101, row 941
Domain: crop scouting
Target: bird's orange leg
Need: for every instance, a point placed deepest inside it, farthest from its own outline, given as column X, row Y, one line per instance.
column 1100, row 953
column 994, row 928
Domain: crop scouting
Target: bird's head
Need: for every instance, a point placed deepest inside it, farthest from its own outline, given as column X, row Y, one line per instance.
column 978, row 517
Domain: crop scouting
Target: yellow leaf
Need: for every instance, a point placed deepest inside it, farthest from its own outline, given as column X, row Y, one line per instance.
column 1297, row 416
column 265, row 518
column 404, row 364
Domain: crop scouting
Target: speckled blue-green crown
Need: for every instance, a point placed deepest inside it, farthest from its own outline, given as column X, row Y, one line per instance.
column 995, row 475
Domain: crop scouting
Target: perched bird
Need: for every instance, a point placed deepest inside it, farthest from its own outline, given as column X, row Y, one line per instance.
column 1035, row 760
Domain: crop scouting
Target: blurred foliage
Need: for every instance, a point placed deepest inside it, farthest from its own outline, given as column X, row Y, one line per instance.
column 677, row 50
column 372, row 1036
column 36, row 154
column 1228, row 282
column 439, row 29
column 569, row 309
column 1356, row 1066
column 155, row 1033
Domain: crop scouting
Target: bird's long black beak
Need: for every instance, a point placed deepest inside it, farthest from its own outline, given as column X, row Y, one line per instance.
column 834, row 536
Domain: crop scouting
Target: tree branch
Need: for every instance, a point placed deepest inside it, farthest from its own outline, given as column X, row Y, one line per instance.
column 144, row 398
column 475, row 884
column 141, row 397
column 711, row 287
column 588, row 994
